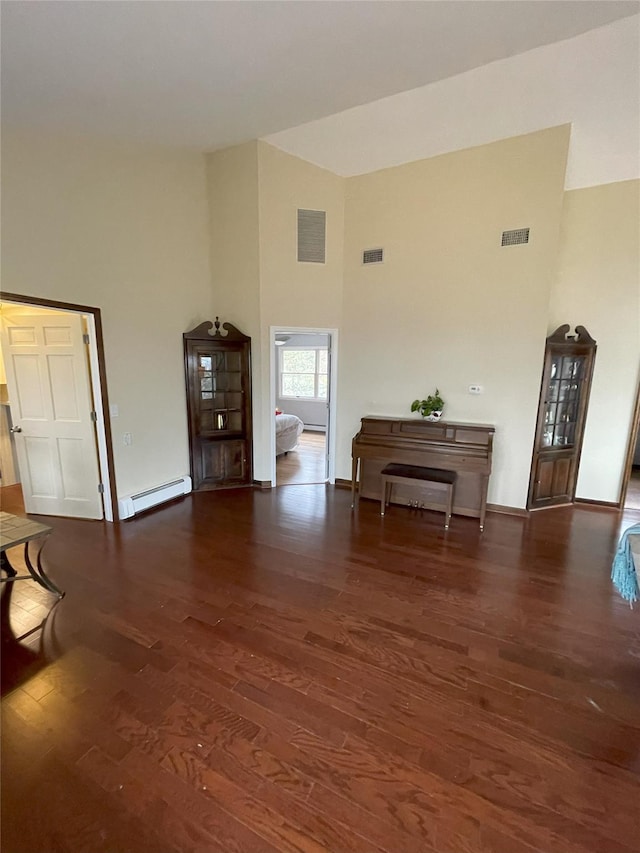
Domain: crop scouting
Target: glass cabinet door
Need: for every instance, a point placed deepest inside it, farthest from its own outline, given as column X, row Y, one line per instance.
column 217, row 358
column 220, row 391
column 562, row 403
column 562, row 409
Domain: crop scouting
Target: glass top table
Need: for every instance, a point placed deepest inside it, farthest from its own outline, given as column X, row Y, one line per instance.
column 15, row 531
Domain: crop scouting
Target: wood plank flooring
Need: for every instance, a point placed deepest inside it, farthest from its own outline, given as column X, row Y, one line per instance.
column 304, row 465
column 265, row 671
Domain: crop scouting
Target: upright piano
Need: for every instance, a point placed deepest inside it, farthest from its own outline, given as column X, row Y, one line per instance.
column 463, row 448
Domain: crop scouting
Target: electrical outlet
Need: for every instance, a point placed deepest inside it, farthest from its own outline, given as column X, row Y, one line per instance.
column 127, row 439
column 476, row 389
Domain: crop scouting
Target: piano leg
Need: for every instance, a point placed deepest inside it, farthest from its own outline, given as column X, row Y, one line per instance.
column 449, row 508
column 354, row 478
column 384, row 501
column 483, row 501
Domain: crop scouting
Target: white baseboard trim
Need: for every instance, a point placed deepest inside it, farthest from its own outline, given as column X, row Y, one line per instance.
column 134, row 504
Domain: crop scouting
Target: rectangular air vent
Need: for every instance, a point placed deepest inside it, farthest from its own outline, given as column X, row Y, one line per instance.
column 312, row 228
column 515, row 237
column 373, row 256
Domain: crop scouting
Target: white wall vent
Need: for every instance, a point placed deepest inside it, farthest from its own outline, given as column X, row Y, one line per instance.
column 373, row 256
column 515, row 237
column 130, row 506
column 312, row 230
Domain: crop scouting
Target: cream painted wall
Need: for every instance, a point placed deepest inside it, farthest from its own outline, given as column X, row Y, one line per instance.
column 598, row 286
column 255, row 191
column 293, row 293
column 124, row 229
column 232, row 185
column 450, row 307
column 128, row 230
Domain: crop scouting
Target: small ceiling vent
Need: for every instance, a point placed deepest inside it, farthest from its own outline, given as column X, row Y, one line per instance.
column 312, row 230
column 373, row 256
column 516, row 237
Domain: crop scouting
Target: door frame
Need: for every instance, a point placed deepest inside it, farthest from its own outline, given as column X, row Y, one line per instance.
column 98, row 376
column 333, row 392
column 631, row 446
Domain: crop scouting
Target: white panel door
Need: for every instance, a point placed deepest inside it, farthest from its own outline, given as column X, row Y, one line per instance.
column 50, row 396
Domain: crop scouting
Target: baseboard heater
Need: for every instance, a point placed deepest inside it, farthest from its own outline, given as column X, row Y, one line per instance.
column 135, row 504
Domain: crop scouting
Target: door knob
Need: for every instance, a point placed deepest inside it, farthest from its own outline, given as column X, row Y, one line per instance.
column 15, row 429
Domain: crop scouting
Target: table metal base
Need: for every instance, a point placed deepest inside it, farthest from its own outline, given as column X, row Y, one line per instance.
column 22, row 531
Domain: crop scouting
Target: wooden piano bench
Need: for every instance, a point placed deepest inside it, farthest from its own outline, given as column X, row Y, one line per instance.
column 413, row 474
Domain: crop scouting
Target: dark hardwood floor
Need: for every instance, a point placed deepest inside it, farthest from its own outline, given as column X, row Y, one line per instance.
column 266, row 671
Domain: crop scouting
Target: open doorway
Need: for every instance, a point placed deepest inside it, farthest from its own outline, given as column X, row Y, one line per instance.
column 55, row 441
column 303, row 374
column 630, row 498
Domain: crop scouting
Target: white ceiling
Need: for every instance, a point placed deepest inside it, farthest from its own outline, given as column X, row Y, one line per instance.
column 205, row 75
column 590, row 81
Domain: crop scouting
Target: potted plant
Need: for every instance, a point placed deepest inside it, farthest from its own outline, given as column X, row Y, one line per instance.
column 431, row 408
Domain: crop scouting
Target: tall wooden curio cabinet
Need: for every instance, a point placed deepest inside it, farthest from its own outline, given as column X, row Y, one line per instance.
column 218, row 374
column 562, row 411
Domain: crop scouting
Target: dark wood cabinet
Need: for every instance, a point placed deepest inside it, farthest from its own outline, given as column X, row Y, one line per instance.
column 218, row 375
column 562, row 411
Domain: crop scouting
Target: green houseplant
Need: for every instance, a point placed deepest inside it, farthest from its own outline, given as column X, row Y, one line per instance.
column 430, row 408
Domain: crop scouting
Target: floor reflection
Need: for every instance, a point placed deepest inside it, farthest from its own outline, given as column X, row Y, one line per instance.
column 27, row 635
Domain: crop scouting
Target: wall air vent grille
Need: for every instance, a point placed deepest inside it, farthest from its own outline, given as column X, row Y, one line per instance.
column 516, row 237
column 312, row 229
column 373, row 256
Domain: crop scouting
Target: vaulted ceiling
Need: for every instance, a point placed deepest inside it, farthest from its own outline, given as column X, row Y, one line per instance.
column 205, row 75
